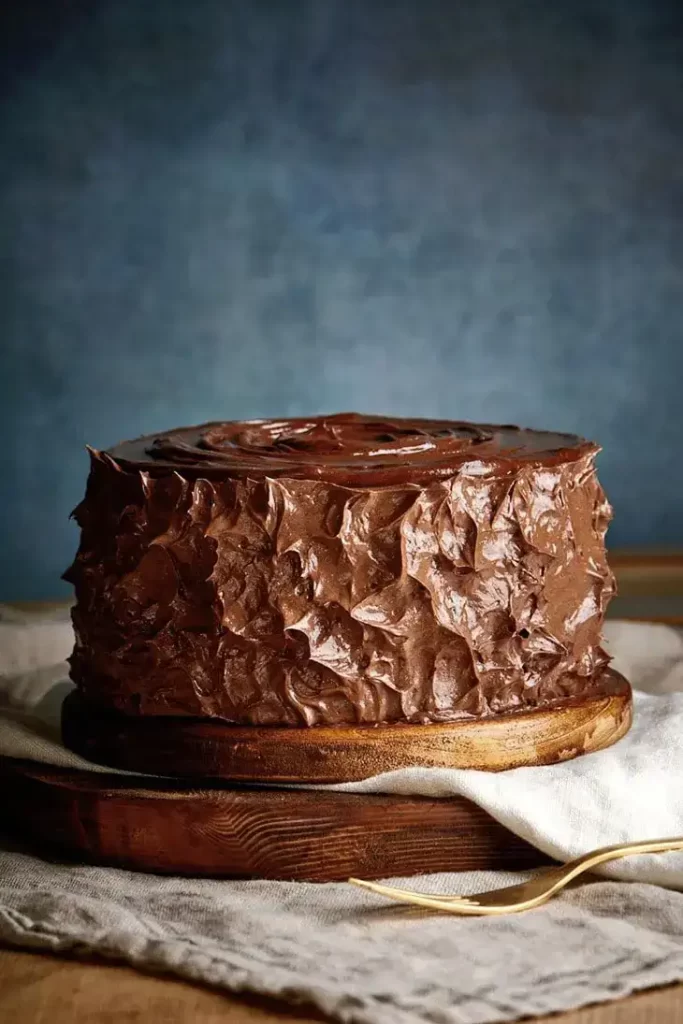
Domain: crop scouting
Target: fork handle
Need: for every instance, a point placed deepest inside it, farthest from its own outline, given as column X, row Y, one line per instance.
column 607, row 853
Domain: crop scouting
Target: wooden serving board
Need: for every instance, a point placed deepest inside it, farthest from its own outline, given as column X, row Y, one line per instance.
column 210, row 829
column 209, row 748
column 208, row 823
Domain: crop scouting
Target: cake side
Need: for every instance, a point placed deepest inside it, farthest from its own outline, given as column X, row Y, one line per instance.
column 281, row 600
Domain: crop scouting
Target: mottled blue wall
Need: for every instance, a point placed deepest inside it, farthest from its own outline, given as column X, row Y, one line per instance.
column 216, row 209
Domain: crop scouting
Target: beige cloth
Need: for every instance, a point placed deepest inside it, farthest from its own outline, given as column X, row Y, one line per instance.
column 349, row 953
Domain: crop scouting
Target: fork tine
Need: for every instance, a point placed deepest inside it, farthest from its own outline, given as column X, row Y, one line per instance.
column 393, row 892
column 418, row 900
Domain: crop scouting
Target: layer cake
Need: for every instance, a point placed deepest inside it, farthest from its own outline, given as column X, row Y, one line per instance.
column 342, row 570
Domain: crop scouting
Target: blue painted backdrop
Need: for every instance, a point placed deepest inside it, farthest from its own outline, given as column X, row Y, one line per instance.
column 216, row 209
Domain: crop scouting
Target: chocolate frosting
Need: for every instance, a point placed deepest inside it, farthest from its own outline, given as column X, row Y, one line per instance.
column 341, row 569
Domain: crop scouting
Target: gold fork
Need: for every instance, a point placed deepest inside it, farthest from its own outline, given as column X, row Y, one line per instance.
column 529, row 894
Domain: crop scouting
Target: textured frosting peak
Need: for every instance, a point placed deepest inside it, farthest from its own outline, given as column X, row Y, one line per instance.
column 347, row 448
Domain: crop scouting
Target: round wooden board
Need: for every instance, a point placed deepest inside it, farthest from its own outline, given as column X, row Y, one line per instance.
column 209, row 748
column 246, row 832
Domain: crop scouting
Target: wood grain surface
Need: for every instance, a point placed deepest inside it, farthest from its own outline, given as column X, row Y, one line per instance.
column 163, row 827
column 209, row 748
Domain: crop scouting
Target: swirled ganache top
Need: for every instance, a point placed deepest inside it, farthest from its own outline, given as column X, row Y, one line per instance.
column 350, row 449
column 342, row 569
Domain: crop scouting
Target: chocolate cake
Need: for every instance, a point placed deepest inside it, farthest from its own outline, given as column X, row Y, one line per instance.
column 342, row 570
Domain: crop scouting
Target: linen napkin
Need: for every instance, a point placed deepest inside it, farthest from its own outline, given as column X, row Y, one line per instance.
column 349, row 953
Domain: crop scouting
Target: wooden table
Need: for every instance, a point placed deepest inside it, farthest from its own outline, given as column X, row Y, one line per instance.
column 41, row 989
